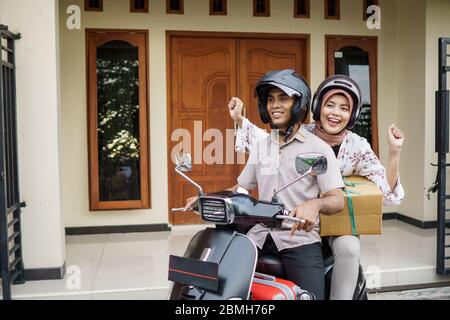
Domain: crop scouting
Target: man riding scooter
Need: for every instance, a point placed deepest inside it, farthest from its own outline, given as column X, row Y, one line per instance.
column 283, row 101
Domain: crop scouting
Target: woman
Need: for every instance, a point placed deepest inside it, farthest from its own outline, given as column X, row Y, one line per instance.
column 335, row 109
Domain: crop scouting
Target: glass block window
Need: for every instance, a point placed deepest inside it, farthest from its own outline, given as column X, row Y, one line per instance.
column 301, row 8
column 261, row 8
column 139, row 6
column 175, row 6
column 217, row 7
column 368, row 3
column 332, row 9
column 93, row 5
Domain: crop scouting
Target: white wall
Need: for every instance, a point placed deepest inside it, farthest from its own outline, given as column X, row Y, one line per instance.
column 420, row 27
column 411, row 101
column 196, row 18
column 38, row 119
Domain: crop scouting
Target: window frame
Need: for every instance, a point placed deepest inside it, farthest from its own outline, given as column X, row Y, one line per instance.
column 308, row 10
column 135, row 10
column 94, row 39
column 369, row 44
column 181, row 11
column 217, row 13
column 87, row 7
column 338, row 11
column 264, row 14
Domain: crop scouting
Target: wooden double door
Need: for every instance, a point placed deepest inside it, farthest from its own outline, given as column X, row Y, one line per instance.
column 204, row 71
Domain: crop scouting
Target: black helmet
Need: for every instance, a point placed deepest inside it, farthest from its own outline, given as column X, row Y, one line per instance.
column 292, row 84
column 338, row 82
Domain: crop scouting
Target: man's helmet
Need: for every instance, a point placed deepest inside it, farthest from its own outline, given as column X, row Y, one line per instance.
column 292, row 84
column 338, row 82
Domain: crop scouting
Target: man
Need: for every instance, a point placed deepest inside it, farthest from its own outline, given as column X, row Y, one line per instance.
column 283, row 101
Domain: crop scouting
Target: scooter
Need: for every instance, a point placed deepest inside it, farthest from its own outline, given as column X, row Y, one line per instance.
column 221, row 263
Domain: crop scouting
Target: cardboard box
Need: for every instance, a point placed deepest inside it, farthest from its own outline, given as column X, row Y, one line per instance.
column 367, row 201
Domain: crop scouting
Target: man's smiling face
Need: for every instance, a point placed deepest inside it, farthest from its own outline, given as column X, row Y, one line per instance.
column 279, row 106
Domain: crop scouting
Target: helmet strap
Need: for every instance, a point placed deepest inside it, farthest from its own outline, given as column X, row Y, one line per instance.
column 289, row 131
column 286, row 134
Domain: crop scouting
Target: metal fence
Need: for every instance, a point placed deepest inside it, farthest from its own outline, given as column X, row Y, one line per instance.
column 442, row 148
column 11, row 263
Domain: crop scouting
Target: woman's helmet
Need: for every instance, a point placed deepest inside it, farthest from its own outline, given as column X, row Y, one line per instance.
column 338, row 82
column 292, row 84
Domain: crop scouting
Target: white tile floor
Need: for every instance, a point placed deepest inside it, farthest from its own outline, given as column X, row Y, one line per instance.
column 134, row 266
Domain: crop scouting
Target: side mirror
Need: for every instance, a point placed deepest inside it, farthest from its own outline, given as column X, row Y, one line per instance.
column 184, row 162
column 312, row 163
column 306, row 164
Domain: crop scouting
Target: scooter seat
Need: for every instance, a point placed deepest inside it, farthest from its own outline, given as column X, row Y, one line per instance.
column 270, row 265
column 273, row 266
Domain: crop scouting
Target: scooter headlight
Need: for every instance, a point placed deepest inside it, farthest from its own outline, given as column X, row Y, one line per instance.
column 216, row 210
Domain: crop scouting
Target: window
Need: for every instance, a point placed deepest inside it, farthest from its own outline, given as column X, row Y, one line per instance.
column 175, row 6
column 356, row 57
column 301, row 8
column 118, row 120
column 139, row 6
column 93, row 5
column 368, row 3
column 332, row 9
column 261, row 8
column 218, row 7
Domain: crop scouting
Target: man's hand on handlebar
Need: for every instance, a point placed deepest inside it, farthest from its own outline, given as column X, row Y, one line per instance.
column 190, row 202
column 309, row 212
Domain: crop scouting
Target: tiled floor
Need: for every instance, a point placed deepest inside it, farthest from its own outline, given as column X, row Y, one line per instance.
column 134, row 266
column 423, row 294
column 404, row 255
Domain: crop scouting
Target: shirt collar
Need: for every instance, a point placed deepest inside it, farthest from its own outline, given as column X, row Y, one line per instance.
column 300, row 135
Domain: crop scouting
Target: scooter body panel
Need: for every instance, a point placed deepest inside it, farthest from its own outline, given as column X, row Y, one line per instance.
column 236, row 255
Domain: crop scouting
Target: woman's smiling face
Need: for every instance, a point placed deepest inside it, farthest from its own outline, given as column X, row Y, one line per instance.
column 335, row 114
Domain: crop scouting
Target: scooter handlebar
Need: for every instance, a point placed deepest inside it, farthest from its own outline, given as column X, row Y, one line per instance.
column 286, row 218
column 174, row 210
column 290, row 219
column 179, row 210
